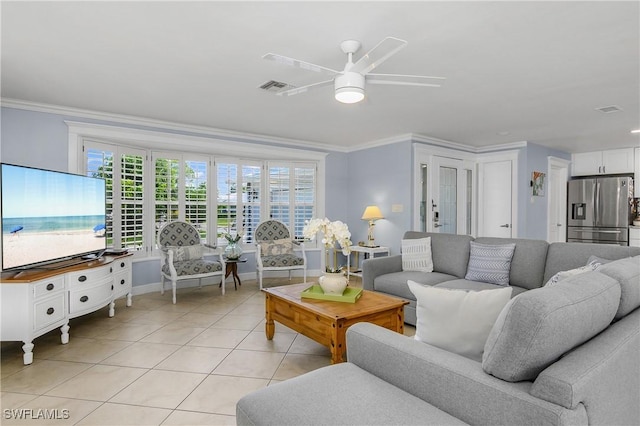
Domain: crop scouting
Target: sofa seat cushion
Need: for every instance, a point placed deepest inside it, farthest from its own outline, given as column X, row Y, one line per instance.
column 627, row 273
column 396, row 282
column 341, row 394
column 540, row 325
column 477, row 285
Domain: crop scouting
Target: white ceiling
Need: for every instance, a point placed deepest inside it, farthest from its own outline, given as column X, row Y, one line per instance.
column 516, row 71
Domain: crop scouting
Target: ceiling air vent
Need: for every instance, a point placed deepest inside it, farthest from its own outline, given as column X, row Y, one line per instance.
column 275, row 86
column 609, row 109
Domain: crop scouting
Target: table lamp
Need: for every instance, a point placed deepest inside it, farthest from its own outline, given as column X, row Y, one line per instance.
column 371, row 213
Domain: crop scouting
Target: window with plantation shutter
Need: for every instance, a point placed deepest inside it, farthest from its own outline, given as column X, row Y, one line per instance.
column 181, row 190
column 292, row 194
column 148, row 187
column 132, row 201
column 239, row 198
column 123, row 170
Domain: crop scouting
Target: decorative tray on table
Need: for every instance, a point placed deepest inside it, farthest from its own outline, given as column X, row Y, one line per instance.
column 350, row 295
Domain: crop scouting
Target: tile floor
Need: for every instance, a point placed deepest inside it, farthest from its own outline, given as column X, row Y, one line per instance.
column 157, row 363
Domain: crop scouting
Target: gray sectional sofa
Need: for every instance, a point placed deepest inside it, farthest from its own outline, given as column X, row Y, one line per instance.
column 533, row 263
column 563, row 354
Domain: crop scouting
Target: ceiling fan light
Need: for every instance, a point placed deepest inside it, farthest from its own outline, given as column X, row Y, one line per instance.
column 349, row 95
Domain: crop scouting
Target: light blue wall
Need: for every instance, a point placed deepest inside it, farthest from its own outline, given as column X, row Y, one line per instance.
column 533, row 210
column 381, row 176
column 39, row 139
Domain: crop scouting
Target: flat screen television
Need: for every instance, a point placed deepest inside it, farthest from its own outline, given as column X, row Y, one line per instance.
column 49, row 216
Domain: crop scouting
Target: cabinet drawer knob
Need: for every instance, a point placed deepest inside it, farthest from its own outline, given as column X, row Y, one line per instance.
column 122, row 264
column 84, row 298
column 50, row 286
column 122, row 282
column 82, row 278
column 110, row 270
column 111, row 288
column 50, row 311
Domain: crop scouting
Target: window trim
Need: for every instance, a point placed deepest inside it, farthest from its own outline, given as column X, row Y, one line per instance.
column 213, row 146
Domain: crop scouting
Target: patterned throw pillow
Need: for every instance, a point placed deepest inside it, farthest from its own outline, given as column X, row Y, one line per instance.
column 416, row 255
column 182, row 253
column 490, row 263
column 276, row 247
column 593, row 263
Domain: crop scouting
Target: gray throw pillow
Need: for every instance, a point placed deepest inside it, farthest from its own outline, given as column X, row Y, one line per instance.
column 490, row 263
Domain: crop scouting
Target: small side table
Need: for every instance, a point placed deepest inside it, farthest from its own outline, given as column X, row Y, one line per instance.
column 367, row 253
column 232, row 269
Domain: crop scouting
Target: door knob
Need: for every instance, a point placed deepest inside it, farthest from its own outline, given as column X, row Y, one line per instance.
column 506, row 225
column 436, row 225
column 558, row 224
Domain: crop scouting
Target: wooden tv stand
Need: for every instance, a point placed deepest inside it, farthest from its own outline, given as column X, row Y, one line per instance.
column 37, row 301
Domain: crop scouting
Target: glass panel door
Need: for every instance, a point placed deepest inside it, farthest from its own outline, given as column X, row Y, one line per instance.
column 448, row 200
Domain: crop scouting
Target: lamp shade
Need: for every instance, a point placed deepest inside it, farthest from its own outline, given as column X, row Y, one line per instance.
column 372, row 213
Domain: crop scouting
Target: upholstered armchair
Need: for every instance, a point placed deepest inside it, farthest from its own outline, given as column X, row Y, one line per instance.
column 183, row 257
column 275, row 250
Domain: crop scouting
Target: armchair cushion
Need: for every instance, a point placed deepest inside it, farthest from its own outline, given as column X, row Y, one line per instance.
column 182, row 253
column 193, row 267
column 276, row 247
column 282, row 260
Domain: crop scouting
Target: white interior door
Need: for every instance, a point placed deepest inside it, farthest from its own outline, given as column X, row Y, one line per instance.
column 557, row 207
column 495, row 199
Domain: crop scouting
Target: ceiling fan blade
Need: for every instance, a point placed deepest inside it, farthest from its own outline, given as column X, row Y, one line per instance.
column 380, row 53
column 299, row 64
column 407, row 76
column 302, row 89
column 401, row 83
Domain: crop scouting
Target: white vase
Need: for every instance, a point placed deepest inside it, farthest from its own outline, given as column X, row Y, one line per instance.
column 333, row 283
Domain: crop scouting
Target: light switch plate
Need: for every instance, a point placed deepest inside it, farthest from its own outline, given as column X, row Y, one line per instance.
column 397, row 208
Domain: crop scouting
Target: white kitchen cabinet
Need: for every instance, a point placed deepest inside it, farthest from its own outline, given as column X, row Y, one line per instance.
column 38, row 301
column 609, row 162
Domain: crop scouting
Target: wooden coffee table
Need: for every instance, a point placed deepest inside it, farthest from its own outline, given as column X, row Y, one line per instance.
column 326, row 322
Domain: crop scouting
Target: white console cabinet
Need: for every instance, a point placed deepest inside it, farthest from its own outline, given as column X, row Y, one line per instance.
column 612, row 161
column 35, row 302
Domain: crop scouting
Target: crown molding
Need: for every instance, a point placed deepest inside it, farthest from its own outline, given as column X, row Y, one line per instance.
column 160, row 125
column 216, row 133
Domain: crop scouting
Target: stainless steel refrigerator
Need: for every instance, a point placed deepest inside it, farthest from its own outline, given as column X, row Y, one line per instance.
column 599, row 210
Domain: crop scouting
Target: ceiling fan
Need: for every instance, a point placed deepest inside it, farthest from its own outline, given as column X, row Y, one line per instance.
column 349, row 83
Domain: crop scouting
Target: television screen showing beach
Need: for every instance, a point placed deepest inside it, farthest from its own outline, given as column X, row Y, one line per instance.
column 49, row 215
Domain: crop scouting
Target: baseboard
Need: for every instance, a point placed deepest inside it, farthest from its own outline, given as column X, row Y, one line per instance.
column 156, row 287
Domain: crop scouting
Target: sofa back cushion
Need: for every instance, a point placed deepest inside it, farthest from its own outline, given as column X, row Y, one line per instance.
column 627, row 273
column 565, row 256
column 527, row 264
column 450, row 253
column 536, row 327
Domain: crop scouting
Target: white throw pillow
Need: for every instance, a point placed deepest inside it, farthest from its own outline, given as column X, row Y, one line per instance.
column 416, row 255
column 457, row 320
